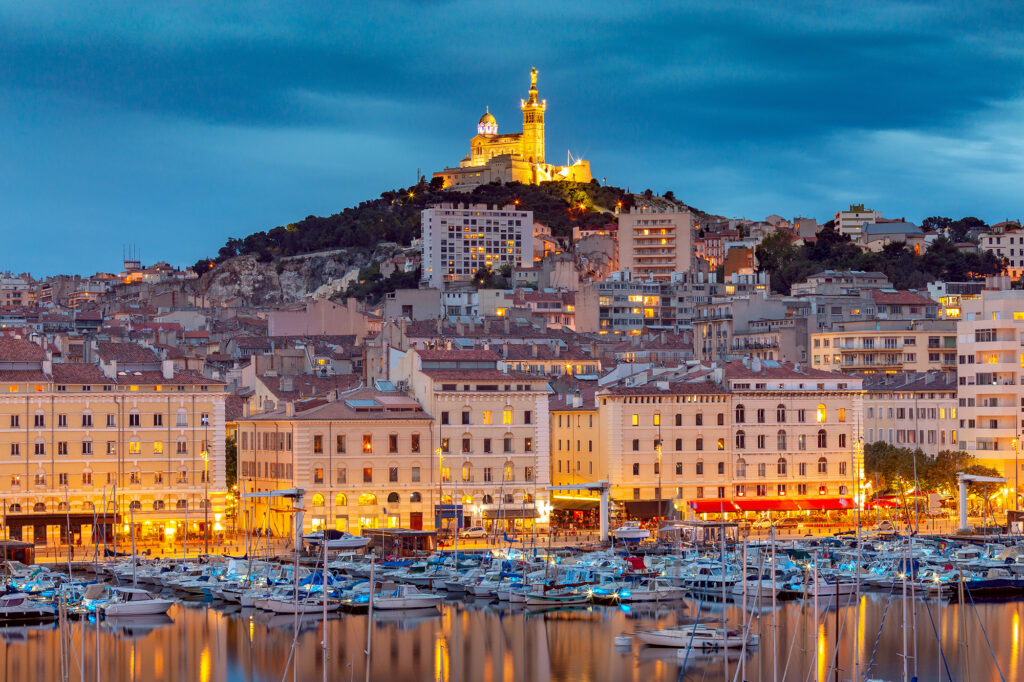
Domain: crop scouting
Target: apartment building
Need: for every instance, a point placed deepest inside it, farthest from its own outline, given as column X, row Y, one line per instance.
column 1006, row 242
column 655, row 244
column 576, row 448
column 491, row 426
column 97, row 446
column 990, row 350
column 746, row 436
column 851, row 222
column 886, row 346
column 459, row 239
column 912, row 410
column 364, row 459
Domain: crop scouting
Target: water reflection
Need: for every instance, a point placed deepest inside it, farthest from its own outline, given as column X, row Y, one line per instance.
column 475, row 641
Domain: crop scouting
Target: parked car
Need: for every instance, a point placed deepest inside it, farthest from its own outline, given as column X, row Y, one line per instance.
column 885, row 526
column 785, row 522
column 473, row 532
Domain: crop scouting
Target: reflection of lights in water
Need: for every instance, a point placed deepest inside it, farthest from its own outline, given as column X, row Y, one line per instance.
column 252, row 628
column 822, row 646
column 1015, row 649
column 860, row 625
column 442, row 662
column 204, row 665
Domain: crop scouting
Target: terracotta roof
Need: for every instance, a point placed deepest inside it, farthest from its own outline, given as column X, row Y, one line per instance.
column 78, row 373
column 469, row 354
column 20, row 350
column 308, row 385
column 480, row 374
column 154, row 378
column 340, row 409
column 233, row 408
column 900, row 298
column 125, row 352
column 674, row 388
column 736, row 370
column 523, row 352
column 22, row 375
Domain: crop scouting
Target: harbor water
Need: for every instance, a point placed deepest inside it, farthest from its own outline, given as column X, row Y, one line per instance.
column 475, row 641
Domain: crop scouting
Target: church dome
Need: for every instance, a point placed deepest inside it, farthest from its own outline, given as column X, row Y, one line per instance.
column 488, row 125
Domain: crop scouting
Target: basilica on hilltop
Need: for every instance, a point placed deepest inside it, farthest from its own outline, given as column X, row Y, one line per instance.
column 512, row 157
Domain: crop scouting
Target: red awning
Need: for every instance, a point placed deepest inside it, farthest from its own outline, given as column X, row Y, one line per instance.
column 827, row 503
column 888, row 504
column 713, row 505
column 761, row 504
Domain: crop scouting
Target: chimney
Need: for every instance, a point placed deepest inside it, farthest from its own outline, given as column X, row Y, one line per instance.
column 505, row 320
column 577, row 399
column 557, row 349
column 289, row 408
column 246, row 410
column 459, row 329
column 287, row 384
column 439, row 326
column 167, row 369
column 332, row 396
column 663, row 337
column 746, row 361
column 533, row 349
column 755, row 364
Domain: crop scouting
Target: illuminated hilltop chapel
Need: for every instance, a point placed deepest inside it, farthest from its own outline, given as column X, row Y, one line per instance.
column 512, row 157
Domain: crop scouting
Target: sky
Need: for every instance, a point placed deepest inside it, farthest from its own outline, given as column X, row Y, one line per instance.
column 173, row 126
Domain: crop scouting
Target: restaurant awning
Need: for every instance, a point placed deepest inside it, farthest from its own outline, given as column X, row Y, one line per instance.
column 712, row 506
column 574, row 503
column 748, row 504
column 510, row 513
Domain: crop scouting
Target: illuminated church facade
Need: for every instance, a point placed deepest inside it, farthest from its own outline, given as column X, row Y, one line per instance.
column 512, row 157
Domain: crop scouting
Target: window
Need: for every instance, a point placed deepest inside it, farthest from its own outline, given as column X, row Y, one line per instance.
column 842, row 468
column 507, row 473
column 679, row 468
column 393, row 442
column 182, row 419
column 444, row 418
column 110, row 421
column 393, row 474
column 466, row 444
column 636, row 445
column 506, row 416
column 821, row 414
column 657, row 468
column 801, row 416
column 39, row 421
column 780, row 414
column 86, row 478
column 636, row 468
column 679, row 419
column 822, row 439
column 721, row 419
column 158, row 447
column 822, row 465
column 486, row 418
column 700, row 467
column 62, row 421
column 367, row 474
column 339, row 446
column 842, row 440
column 465, row 417
column 721, row 468
column 487, row 475
column 679, row 444
column 762, row 469
column 40, row 480
column 415, row 474
column 801, row 442
column 318, row 475
column 15, row 450
column 182, row 448
column 760, row 416
column 780, row 489
column 780, row 441
column 527, row 445
column 740, row 414
column 341, row 476
column 760, row 441
column 487, row 445
column 158, row 419
column 699, row 444
column 204, row 419
column 780, row 467
column 527, row 417
column 40, row 448
column 741, row 468
column 62, row 447
column 15, row 421
column 414, row 443
column 657, row 419
column 721, row 444
column 367, row 443
column 134, row 419
column 318, row 443
column 741, row 440
column 841, row 413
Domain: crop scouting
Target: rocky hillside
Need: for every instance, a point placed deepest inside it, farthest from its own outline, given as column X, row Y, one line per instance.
column 288, row 280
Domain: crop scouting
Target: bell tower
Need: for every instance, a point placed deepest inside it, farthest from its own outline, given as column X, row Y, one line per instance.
column 533, row 123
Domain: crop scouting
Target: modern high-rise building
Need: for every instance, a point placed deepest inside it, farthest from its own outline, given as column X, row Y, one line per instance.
column 460, row 239
column 653, row 244
column 990, row 354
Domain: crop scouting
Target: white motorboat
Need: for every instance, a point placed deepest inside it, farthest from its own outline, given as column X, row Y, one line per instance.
column 305, row 605
column 631, row 532
column 556, row 598
column 696, row 636
column 404, row 597
column 336, row 539
column 649, row 590
column 18, row 608
column 131, row 601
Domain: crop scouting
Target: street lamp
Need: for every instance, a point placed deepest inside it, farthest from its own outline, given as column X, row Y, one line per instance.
column 206, row 501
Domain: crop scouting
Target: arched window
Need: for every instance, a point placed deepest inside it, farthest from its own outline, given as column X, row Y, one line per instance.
column 341, row 500
column 741, row 440
column 740, row 414
column 780, row 466
column 88, row 506
column 135, row 505
column 14, row 507
column 527, row 497
column 318, row 500
column 467, row 499
column 367, row 499
column 822, row 438
column 679, row 419
column 822, row 465
column 760, row 415
column 488, row 499
column 158, row 505
column 780, row 440
column 204, row 504
column 679, row 444
column 843, row 490
column 509, row 498
column 780, row 414
column 741, row 468
column 62, row 506
column 39, row 507
column 392, row 498
column 467, row 471
column 822, row 413
column 446, row 499
column 415, row 497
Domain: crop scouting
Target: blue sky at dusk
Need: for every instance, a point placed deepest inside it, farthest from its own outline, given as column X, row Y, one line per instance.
column 176, row 127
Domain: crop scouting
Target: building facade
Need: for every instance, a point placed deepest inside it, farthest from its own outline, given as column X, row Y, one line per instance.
column 912, row 410
column 460, row 239
column 653, row 244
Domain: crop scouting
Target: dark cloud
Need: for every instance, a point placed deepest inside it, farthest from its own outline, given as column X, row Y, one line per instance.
column 177, row 127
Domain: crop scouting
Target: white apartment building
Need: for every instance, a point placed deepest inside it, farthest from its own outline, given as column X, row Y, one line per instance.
column 990, row 335
column 460, row 239
column 911, row 410
column 653, row 244
column 851, row 222
column 1008, row 245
